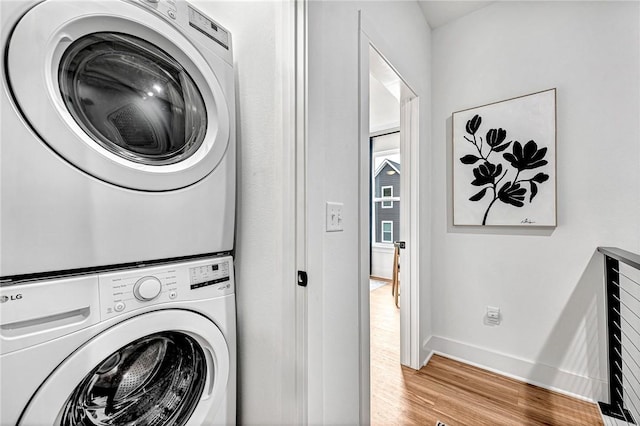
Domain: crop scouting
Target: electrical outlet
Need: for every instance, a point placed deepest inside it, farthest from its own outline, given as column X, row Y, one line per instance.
column 493, row 316
column 334, row 217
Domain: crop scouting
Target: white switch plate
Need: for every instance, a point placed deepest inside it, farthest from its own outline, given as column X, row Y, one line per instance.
column 334, row 217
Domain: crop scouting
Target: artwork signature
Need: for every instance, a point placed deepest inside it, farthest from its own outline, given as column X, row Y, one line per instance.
column 527, row 220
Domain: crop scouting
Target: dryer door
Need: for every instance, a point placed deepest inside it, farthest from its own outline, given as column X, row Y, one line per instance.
column 167, row 367
column 120, row 93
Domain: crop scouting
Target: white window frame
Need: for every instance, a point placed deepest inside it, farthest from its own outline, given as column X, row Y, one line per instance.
column 382, row 231
column 387, row 202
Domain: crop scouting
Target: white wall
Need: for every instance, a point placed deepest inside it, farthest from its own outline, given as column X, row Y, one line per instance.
column 265, row 350
column 382, row 261
column 547, row 282
column 384, row 109
column 333, row 154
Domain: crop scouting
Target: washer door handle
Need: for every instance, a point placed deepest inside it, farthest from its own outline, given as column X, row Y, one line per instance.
column 211, row 378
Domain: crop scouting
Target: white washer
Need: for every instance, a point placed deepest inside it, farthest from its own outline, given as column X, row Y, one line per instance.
column 146, row 346
column 118, row 134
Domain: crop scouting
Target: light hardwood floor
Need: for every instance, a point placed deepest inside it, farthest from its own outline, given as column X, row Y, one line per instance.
column 453, row 392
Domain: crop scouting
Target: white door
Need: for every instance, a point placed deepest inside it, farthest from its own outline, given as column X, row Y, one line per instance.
column 119, row 93
column 161, row 368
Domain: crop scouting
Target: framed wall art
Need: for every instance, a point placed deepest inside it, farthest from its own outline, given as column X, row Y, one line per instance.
column 504, row 162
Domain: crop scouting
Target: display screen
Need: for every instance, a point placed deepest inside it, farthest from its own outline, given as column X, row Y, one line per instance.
column 208, row 28
column 206, row 275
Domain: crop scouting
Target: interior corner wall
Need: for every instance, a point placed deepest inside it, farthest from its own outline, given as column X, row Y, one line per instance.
column 332, row 173
column 547, row 282
column 264, row 355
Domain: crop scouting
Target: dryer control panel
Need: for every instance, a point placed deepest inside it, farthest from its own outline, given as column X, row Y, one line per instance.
column 125, row 291
column 182, row 13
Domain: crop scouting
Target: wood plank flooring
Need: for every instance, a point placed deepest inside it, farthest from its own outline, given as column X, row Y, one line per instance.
column 453, row 392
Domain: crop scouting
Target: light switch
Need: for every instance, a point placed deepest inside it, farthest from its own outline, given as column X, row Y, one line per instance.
column 334, row 217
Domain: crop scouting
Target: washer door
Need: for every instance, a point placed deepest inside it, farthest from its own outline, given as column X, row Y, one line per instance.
column 167, row 367
column 119, row 93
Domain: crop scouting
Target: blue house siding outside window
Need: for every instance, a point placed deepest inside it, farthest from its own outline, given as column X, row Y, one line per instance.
column 387, row 203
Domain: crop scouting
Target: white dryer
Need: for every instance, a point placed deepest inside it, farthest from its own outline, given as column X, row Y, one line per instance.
column 151, row 346
column 118, row 134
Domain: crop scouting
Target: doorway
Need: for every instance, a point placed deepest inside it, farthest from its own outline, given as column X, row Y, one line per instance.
column 391, row 147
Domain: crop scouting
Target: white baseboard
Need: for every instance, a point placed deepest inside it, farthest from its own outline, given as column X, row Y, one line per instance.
column 545, row 376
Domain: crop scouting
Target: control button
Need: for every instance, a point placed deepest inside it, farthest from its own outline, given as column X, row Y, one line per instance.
column 147, row 288
column 173, row 294
column 171, row 13
column 119, row 307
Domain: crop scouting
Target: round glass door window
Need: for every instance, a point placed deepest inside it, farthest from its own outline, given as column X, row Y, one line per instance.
column 132, row 98
column 154, row 381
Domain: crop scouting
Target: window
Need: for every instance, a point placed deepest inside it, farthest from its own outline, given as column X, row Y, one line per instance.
column 387, row 192
column 387, row 231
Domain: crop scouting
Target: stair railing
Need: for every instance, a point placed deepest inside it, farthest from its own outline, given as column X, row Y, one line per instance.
column 623, row 329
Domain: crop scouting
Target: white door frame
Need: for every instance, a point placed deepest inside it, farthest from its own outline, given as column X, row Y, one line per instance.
column 292, row 82
column 300, row 176
column 410, row 297
column 410, row 318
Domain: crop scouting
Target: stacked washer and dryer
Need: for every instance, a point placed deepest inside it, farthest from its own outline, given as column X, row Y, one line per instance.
column 117, row 205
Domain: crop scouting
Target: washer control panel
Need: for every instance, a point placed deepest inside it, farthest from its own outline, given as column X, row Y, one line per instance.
column 147, row 288
column 131, row 289
column 203, row 276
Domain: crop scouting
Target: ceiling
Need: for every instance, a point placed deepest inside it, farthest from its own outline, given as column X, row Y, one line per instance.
column 381, row 71
column 385, row 85
column 384, row 94
column 441, row 12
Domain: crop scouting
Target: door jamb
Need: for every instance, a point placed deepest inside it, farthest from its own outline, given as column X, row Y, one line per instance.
column 292, row 42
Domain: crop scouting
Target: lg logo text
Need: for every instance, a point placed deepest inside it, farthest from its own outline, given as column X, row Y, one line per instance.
column 4, row 299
